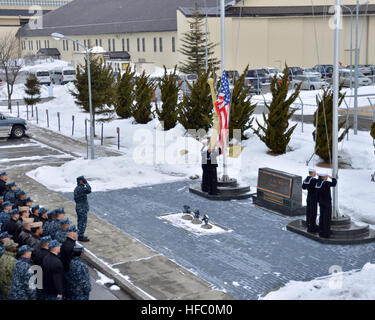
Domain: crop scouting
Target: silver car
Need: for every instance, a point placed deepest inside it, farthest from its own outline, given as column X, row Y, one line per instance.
column 344, row 75
column 309, row 82
column 11, row 126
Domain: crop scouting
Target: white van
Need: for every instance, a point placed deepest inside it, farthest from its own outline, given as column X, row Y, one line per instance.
column 42, row 75
column 63, row 75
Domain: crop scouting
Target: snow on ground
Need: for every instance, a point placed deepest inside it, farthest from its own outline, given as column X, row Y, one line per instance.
column 19, row 92
column 45, row 64
column 177, row 221
column 103, row 279
column 353, row 285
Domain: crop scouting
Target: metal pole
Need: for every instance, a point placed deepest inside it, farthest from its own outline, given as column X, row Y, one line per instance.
column 205, row 5
column 27, row 112
column 86, row 131
column 47, row 118
column 335, row 106
column 351, row 47
column 58, row 120
column 102, row 135
column 90, row 103
column 72, row 125
column 37, row 116
column 222, row 22
column 355, row 124
column 18, row 109
column 118, row 138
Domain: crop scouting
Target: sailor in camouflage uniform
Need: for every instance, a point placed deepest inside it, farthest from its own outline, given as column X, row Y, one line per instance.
column 43, row 215
column 20, row 287
column 7, row 262
column 54, row 224
column 82, row 206
column 4, row 213
column 61, row 234
column 77, row 280
column 10, row 194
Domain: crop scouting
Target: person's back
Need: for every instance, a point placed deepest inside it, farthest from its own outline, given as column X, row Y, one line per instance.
column 7, row 262
column 78, row 284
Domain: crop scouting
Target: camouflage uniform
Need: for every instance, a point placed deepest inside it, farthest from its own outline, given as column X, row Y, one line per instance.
column 77, row 281
column 82, row 206
column 7, row 262
column 2, row 250
column 4, row 218
column 50, row 228
column 60, row 236
column 20, row 289
column 10, row 196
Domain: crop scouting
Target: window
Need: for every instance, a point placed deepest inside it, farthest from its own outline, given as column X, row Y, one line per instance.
column 96, row 42
column 138, row 45
column 161, row 44
column 63, row 45
column 143, row 44
column 74, row 46
column 88, row 43
column 40, row 45
column 123, row 44
column 84, row 43
column 109, row 44
column 113, row 44
column 155, row 45
column 100, row 42
column 128, row 44
column 67, row 45
column 173, row 44
column 47, row 43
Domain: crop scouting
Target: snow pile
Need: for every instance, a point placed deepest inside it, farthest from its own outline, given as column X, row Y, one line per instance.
column 353, row 285
column 177, row 221
column 19, row 93
column 45, row 65
column 103, row 279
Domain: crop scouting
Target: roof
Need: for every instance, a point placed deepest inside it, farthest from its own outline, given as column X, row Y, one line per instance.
column 91, row 17
column 118, row 55
column 49, row 52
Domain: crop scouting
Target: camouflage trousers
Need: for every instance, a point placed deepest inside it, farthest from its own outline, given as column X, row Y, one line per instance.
column 81, row 220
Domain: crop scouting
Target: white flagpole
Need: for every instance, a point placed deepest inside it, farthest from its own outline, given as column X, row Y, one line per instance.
column 226, row 142
column 335, row 208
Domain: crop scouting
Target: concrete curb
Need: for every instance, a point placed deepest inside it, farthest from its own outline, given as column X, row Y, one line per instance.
column 125, row 285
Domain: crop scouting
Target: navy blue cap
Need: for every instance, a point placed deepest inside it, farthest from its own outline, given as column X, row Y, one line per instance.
column 5, row 235
column 60, row 210
column 6, row 204
column 14, row 211
column 20, row 193
column 46, row 239
column 52, row 212
column 65, row 221
column 3, row 174
column 53, row 244
column 43, row 210
column 71, row 228
column 36, row 207
column 25, row 248
column 28, row 199
column 11, row 184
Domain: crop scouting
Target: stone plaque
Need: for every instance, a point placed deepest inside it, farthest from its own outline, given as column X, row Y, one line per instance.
column 279, row 191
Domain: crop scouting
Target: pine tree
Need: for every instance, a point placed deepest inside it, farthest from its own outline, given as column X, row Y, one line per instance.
column 125, row 94
column 169, row 87
column 142, row 109
column 241, row 108
column 276, row 132
column 194, row 46
column 103, row 89
column 195, row 111
column 32, row 89
column 323, row 125
column 372, row 132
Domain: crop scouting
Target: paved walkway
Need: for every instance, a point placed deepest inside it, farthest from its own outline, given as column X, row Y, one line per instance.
column 257, row 256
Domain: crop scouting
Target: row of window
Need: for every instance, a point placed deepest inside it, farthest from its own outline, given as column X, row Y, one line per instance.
column 111, row 45
column 47, row 3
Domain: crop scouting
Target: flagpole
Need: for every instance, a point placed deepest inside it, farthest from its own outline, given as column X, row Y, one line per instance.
column 226, row 142
column 335, row 208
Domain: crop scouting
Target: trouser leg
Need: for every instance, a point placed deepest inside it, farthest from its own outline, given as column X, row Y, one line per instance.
column 205, row 177
column 213, row 180
column 325, row 221
column 81, row 222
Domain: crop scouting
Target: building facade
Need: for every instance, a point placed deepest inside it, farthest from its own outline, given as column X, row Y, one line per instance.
column 258, row 32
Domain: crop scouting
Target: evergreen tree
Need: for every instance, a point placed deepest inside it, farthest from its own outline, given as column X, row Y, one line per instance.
column 142, row 109
column 241, row 107
column 372, row 132
column 195, row 111
column 103, row 89
column 125, row 94
column 32, row 89
column 323, row 125
column 169, row 88
column 276, row 132
column 194, row 46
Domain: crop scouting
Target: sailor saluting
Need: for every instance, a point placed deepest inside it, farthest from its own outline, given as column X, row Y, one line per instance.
column 312, row 200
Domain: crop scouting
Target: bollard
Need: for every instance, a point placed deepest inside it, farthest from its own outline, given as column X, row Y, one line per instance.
column 37, row 116
column 58, row 119
column 87, row 149
column 102, row 136
column 47, row 118
column 18, row 109
column 118, row 138
column 27, row 112
column 72, row 125
column 86, row 130
column 32, row 111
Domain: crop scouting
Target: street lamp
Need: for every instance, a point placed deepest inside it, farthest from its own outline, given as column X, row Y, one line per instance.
column 58, row 36
column 356, row 66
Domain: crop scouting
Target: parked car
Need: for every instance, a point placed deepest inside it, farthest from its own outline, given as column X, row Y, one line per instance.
column 11, row 126
column 345, row 76
column 255, row 78
column 309, row 82
column 254, row 84
column 232, row 76
column 43, row 76
column 271, row 72
column 325, row 70
column 63, row 75
column 365, row 70
column 311, row 72
column 294, row 71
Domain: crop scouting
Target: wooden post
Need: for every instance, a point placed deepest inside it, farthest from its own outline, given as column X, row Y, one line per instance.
column 72, row 125
column 47, row 118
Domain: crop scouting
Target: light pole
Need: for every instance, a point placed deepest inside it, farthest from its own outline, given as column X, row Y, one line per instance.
column 356, row 66
column 351, row 47
column 58, row 36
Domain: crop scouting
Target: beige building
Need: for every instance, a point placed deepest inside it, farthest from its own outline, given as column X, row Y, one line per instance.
column 258, row 32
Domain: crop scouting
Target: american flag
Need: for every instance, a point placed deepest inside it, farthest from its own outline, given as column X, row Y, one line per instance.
column 222, row 106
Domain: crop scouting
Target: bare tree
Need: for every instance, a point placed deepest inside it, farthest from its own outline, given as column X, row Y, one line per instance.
column 10, row 62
